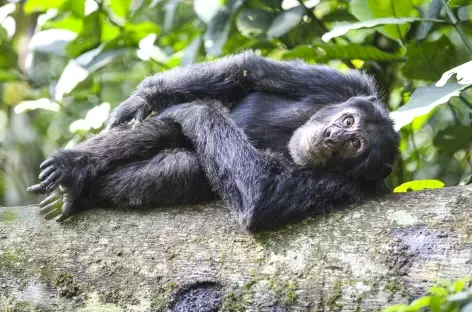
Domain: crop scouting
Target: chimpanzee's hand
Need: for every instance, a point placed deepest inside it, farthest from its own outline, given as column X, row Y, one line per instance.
column 135, row 107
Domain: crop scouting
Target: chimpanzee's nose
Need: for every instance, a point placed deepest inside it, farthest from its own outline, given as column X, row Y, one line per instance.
column 334, row 138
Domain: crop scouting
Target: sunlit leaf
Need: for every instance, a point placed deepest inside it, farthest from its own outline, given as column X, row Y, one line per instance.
column 418, row 185
column 42, row 5
column 420, row 303
column 136, row 32
column 426, row 59
column 68, row 22
column 43, row 103
column 94, row 119
column 206, row 10
column 119, row 7
column 343, row 29
column 78, row 69
column 285, row 21
column 51, row 41
column 396, row 308
column 463, row 74
column 422, row 101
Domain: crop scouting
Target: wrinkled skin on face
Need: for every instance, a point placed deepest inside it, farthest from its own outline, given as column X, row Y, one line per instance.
column 355, row 137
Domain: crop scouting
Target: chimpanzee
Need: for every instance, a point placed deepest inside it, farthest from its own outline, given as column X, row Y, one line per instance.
column 277, row 140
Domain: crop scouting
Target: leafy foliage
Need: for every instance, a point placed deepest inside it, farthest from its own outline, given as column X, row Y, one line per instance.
column 82, row 55
column 445, row 297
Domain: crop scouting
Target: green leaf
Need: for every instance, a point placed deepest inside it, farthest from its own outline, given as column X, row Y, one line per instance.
column 396, row 308
column 32, row 6
column 354, row 51
column 89, row 37
column 9, row 75
column 77, row 70
column 438, row 291
column 120, row 7
column 453, row 138
column 374, row 9
column 463, row 74
column 422, row 101
column 426, row 60
column 67, row 22
column 420, row 303
column 304, row 52
column 285, row 21
column 418, row 185
column 254, row 22
column 343, row 29
column 218, row 28
column 136, row 32
column 424, row 28
column 324, row 52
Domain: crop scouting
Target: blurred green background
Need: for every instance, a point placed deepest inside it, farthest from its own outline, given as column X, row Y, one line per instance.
column 64, row 65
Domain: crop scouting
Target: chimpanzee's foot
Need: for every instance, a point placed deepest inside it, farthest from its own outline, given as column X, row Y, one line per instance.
column 60, row 202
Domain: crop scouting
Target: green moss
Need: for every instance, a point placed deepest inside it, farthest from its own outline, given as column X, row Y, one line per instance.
column 9, row 259
column 332, row 301
column 232, row 303
column 8, row 216
column 160, row 299
column 67, row 286
column 291, row 296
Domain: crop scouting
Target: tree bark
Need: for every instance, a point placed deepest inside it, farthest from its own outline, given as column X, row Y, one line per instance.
column 362, row 258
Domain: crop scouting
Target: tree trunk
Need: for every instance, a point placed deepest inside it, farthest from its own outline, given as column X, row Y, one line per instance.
column 362, row 258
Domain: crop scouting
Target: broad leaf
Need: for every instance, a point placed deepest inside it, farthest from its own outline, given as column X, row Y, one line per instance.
column 254, row 22
column 77, row 70
column 324, row 52
column 32, row 6
column 9, row 75
column 89, row 37
column 424, row 28
column 285, row 21
column 206, row 10
column 51, row 41
column 427, row 60
column 120, row 7
column 43, row 103
column 343, row 29
column 218, row 28
column 374, row 9
column 453, row 138
column 418, row 185
column 465, row 13
column 463, row 74
column 422, row 101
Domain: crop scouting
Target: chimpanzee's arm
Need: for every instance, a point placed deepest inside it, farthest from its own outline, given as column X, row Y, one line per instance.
column 261, row 191
column 229, row 79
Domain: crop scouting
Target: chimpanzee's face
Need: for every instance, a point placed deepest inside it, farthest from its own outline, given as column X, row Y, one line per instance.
column 355, row 137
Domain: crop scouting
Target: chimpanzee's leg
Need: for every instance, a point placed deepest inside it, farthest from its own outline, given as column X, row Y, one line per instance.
column 73, row 167
column 172, row 177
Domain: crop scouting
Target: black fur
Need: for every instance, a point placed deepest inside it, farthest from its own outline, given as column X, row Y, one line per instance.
column 191, row 152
